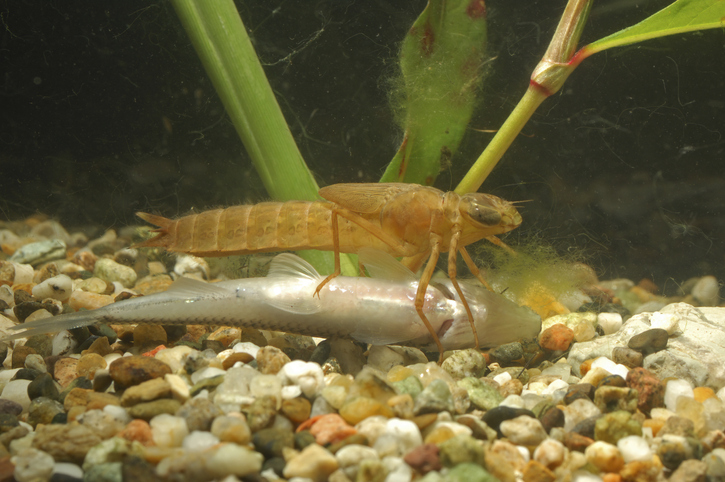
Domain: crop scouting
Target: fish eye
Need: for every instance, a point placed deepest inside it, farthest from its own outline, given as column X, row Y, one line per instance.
column 481, row 212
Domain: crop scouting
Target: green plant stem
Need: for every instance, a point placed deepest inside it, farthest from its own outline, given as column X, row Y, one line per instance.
column 483, row 166
column 220, row 38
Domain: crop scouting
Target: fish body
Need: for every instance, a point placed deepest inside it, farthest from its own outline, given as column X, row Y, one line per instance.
column 369, row 310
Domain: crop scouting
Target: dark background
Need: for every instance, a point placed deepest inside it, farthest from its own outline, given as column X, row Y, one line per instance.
column 105, row 110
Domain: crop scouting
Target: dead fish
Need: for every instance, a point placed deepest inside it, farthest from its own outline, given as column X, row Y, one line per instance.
column 378, row 310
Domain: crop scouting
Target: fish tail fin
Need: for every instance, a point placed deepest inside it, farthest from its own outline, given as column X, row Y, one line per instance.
column 163, row 231
column 51, row 325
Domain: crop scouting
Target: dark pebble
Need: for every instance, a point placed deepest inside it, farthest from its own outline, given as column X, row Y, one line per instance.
column 576, row 442
column 495, row 416
column 7, row 422
column 58, row 477
column 20, row 354
column 580, row 390
column 10, row 407
column 80, row 382
column 43, row 386
column 26, row 374
column 173, row 332
column 270, row 442
column 214, row 345
column 508, row 353
column 552, row 417
column 586, row 427
column 424, row 458
column 650, row 341
column 60, row 419
column 612, row 381
column 43, row 410
column 86, row 343
column 321, row 353
column 132, row 370
column 22, row 296
column 101, row 381
column 102, row 329
column 303, row 439
column 80, row 334
column 627, row 357
column 4, row 347
column 275, row 463
column 199, row 413
column 42, row 344
column 137, row 469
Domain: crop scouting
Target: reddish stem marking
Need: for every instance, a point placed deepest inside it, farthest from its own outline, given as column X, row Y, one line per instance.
column 476, row 9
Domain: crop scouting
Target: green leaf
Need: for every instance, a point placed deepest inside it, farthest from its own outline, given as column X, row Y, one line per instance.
column 441, row 60
column 680, row 17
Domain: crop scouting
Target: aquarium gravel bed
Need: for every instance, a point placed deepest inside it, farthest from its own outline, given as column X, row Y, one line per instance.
column 631, row 390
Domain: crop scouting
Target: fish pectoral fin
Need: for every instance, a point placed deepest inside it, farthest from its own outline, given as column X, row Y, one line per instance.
column 303, row 305
column 384, row 266
column 189, row 287
column 288, row 265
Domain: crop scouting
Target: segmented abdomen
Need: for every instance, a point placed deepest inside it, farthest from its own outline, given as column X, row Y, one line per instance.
column 257, row 228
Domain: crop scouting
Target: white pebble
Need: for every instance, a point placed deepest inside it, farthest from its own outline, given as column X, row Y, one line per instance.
column 634, row 448
column 555, row 386
column 550, row 453
column 707, row 291
column 666, row 321
column 63, row 342
column 398, row 438
column 198, row 441
column 523, row 430
column 502, row 378
column 17, row 391
column 6, row 295
column 36, row 362
column 584, row 476
column 350, row 456
column 180, row 389
column 398, row 470
column 168, row 430
column 675, row 389
column 246, row 347
column 236, row 460
column 610, row 366
column 307, row 375
column 206, row 373
column 610, row 322
column 67, row 471
column 577, row 411
column 267, row 385
column 174, row 357
column 191, row 266
column 514, row 401
column 58, row 287
column 118, row 413
column 23, row 274
column 371, row 427
column 32, row 465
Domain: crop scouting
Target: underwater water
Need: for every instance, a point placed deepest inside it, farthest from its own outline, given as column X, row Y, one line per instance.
column 106, row 110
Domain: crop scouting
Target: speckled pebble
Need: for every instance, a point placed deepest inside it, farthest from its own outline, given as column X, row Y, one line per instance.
column 32, row 465
column 109, row 270
column 523, row 430
column 465, row 363
column 132, row 370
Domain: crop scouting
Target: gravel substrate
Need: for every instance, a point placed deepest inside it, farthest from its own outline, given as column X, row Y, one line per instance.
column 629, row 388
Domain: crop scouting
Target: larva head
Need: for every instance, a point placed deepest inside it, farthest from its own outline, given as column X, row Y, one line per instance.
column 487, row 215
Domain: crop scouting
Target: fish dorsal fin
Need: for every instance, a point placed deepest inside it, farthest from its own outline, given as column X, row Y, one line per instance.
column 382, row 265
column 288, row 265
column 185, row 287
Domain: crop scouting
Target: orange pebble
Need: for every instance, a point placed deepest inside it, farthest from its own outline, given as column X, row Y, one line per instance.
column 557, row 337
column 138, row 431
column 154, row 351
column 331, row 428
column 612, row 478
column 585, row 366
column 703, row 393
column 654, row 424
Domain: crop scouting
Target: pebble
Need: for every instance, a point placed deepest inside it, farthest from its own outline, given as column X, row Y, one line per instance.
column 707, row 291
column 38, row 253
column 523, row 430
column 132, row 370
column 58, row 288
column 650, row 341
column 556, row 338
column 110, row 271
column 32, row 465
column 609, row 322
column 313, row 462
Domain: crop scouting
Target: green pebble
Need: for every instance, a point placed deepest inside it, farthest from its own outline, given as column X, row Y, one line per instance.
column 410, row 385
column 147, row 411
column 482, row 395
column 469, row 473
column 110, row 472
column 461, row 449
column 616, row 425
column 436, row 397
